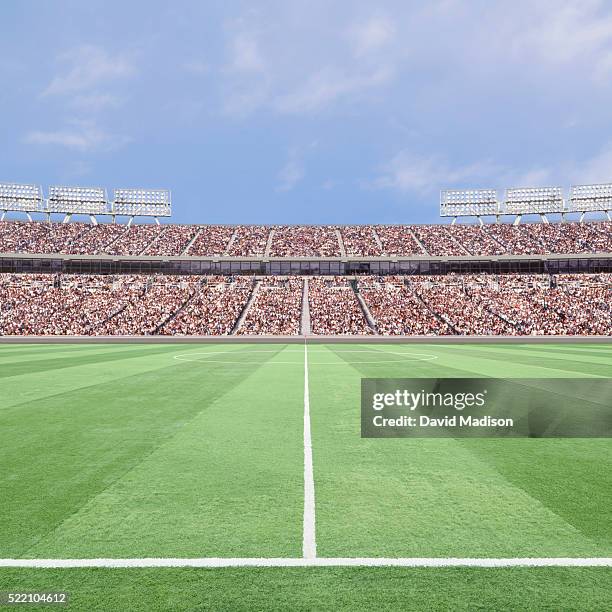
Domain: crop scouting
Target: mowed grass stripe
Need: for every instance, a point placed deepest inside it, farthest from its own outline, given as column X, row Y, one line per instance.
column 527, row 363
column 545, row 468
column 24, row 352
column 417, row 497
column 151, row 590
column 27, row 388
column 54, row 363
column 579, row 352
column 571, row 477
column 60, row 451
column 35, row 385
column 227, row 483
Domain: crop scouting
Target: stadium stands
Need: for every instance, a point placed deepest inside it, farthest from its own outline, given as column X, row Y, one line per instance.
column 90, row 242
column 427, row 303
column 484, row 304
column 398, row 240
column 134, row 241
column 306, row 241
column 276, row 308
column 334, row 309
column 214, row 308
column 211, row 240
column 397, row 310
column 173, row 240
column 249, row 241
column 361, row 241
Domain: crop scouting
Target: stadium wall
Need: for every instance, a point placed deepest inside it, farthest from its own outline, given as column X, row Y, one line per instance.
column 508, row 264
column 305, row 339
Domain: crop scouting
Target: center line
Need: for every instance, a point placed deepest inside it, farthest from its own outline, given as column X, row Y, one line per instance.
column 309, row 545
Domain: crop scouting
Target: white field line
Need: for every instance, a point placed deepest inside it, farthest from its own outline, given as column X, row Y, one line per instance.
column 214, row 562
column 309, row 543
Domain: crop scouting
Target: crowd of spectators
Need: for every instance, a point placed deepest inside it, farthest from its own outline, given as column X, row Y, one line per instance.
column 211, row 241
column 398, row 240
column 46, row 304
column 334, row 308
column 516, row 239
column 214, row 309
column 305, row 241
column 561, row 305
column 477, row 304
column 437, row 241
column 39, row 237
column 173, row 240
column 134, row 240
column 94, row 240
column 491, row 305
column 452, row 299
column 249, row 241
column 397, row 310
column 475, row 240
column 276, row 308
column 361, row 241
column 162, row 297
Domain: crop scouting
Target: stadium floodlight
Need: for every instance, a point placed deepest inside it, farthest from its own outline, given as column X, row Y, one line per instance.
column 586, row 198
column 142, row 202
column 24, row 198
column 473, row 202
column 77, row 200
column 534, row 200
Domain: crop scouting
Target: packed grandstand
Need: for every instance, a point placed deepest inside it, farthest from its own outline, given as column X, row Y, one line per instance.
column 305, row 241
column 58, row 302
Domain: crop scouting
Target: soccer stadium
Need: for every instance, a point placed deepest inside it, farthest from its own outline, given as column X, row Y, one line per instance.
column 306, row 305
column 200, row 385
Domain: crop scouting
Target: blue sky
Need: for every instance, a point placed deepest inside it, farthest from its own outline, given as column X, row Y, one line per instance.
column 306, row 112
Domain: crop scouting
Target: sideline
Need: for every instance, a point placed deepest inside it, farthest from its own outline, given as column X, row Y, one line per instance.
column 314, row 562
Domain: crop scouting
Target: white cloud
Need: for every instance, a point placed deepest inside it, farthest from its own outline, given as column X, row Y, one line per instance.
column 409, row 173
column 297, row 70
column 570, row 29
column 96, row 102
column 327, row 86
column 290, row 175
column 294, row 169
column 597, row 169
column 81, row 136
column 406, row 172
column 371, row 35
column 87, row 67
column 246, row 54
column 537, row 177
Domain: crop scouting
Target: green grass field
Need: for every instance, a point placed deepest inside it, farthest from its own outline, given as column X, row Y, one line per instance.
column 132, row 451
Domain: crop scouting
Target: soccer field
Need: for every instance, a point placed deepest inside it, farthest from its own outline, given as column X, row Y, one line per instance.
column 202, row 452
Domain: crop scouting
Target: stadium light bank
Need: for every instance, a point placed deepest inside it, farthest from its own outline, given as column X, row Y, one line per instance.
column 90, row 201
column 519, row 201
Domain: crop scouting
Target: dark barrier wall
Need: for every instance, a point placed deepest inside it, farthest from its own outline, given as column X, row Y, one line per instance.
column 542, row 265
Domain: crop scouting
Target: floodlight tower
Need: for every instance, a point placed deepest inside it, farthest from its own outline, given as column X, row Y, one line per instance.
column 21, row 198
column 141, row 202
column 590, row 198
column 469, row 203
column 70, row 201
column 533, row 201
